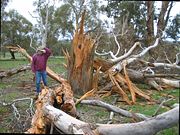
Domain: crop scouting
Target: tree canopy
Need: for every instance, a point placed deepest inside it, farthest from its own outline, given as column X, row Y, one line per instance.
column 135, row 19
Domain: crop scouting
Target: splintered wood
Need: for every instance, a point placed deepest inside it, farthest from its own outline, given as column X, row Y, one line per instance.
column 62, row 95
column 114, row 82
column 80, row 61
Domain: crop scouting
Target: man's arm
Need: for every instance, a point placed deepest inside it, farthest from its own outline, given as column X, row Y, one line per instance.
column 47, row 51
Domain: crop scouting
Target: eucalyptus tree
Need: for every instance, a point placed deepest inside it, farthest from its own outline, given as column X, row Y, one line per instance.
column 142, row 15
column 52, row 24
column 173, row 31
column 16, row 29
column 77, row 7
column 134, row 9
column 4, row 4
column 141, row 21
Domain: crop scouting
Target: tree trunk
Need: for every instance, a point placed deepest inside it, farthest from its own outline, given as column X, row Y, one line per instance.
column 149, row 23
column 147, row 127
column 70, row 125
column 65, row 122
column 12, row 55
column 161, row 21
column 80, row 62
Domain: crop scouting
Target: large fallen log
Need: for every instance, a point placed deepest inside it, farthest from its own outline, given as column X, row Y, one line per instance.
column 70, row 125
column 147, row 127
column 139, row 77
column 65, row 122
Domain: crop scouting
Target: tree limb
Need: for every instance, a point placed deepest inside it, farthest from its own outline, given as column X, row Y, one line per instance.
column 69, row 124
column 114, row 109
column 135, row 57
column 147, row 127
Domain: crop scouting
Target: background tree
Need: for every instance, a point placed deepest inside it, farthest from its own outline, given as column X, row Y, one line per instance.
column 173, row 31
column 4, row 3
column 141, row 22
column 16, row 30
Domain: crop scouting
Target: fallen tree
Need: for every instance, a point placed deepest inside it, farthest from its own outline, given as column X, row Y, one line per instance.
column 47, row 114
column 110, row 76
column 14, row 71
column 147, row 127
column 61, row 97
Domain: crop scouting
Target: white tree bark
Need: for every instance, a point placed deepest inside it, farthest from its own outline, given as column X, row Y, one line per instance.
column 135, row 57
column 126, row 54
column 65, row 122
column 71, row 125
column 174, row 65
column 173, row 83
column 147, row 127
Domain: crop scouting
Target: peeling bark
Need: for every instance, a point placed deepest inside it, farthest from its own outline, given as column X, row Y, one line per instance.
column 149, row 23
column 161, row 20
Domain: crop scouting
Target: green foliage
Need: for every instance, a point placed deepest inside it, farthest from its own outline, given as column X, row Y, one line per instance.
column 138, row 17
column 77, row 7
column 136, row 11
column 15, row 29
column 173, row 30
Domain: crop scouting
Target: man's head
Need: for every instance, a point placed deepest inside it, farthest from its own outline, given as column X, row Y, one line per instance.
column 40, row 50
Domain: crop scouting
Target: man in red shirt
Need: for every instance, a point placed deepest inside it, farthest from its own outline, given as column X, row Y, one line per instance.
column 38, row 66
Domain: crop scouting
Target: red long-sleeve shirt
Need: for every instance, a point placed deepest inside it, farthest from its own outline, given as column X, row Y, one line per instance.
column 39, row 61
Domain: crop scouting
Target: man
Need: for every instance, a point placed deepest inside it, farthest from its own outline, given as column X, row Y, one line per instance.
column 38, row 66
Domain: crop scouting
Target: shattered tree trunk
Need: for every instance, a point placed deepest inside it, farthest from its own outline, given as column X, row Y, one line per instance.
column 80, row 62
column 61, row 97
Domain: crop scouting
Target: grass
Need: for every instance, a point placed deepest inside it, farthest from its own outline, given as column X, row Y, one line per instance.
column 11, row 88
column 56, row 64
column 9, row 64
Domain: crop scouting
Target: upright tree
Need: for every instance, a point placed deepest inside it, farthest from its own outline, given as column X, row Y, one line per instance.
column 16, row 30
column 150, row 19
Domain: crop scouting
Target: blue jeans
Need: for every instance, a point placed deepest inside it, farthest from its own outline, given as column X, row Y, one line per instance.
column 40, row 74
